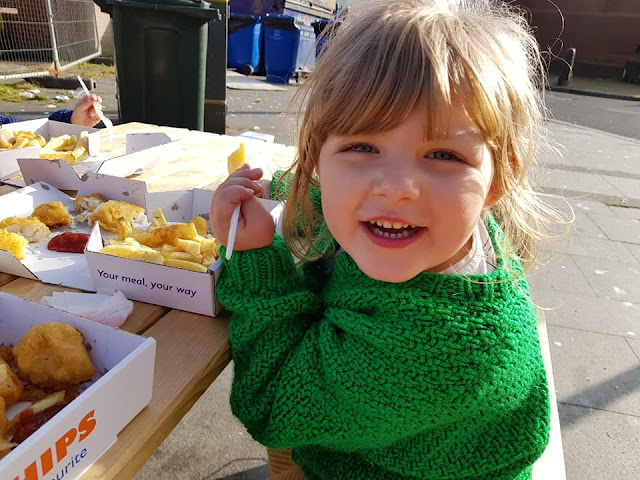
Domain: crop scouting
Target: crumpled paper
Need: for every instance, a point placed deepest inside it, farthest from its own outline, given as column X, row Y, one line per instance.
column 106, row 306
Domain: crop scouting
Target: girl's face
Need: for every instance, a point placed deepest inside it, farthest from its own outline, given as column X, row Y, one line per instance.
column 401, row 205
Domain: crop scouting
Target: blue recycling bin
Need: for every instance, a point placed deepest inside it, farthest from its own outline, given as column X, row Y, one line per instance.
column 244, row 42
column 319, row 27
column 281, row 43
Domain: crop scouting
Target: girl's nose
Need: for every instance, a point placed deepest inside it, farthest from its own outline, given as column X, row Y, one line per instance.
column 397, row 181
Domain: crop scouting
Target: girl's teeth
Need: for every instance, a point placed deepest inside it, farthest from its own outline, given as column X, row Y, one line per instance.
column 380, row 233
column 387, row 224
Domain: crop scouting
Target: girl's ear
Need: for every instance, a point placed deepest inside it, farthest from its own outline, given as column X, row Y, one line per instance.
column 495, row 193
column 499, row 184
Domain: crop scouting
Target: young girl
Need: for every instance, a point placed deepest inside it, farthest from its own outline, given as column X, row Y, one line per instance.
column 402, row 343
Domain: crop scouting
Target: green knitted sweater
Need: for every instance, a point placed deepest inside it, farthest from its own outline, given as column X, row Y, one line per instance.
column 434, row 378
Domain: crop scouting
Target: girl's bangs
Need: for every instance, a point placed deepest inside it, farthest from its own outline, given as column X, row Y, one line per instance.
column 373, row 86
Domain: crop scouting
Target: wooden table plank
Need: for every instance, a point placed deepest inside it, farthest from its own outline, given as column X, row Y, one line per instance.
column 186, row 365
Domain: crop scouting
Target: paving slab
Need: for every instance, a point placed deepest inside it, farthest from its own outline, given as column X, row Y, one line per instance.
column 599, row 445
column 611, row 280
column 635, row 345
column 585, row 205
column 584, row 226
column 572, row 184
column 619, row 229
column 599, row 371
column 634, row 249
column 561, row 274
column 591, row 150
column 622, row 212
column 598, row 247
column 582, row 312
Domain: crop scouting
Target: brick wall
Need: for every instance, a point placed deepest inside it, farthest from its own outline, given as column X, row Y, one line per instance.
column 605, row 33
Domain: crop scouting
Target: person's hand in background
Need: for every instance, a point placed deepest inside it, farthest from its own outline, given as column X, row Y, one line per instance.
column 85, row 113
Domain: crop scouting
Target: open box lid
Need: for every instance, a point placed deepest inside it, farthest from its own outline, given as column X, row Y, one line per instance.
column 143, row 150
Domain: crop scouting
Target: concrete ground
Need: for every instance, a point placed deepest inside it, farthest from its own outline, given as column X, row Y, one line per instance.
column 590, row 290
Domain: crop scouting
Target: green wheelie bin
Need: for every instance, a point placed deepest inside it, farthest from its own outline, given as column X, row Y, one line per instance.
column 160, row 51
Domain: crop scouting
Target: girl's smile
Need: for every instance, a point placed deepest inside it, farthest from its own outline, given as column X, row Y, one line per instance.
column 400, row 203
column 392, row 234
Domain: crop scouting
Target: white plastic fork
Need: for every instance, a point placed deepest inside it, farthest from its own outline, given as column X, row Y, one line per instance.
column 233, row 227
column 107, row 123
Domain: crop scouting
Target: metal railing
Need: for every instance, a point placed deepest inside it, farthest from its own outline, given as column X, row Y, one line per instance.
column 44, row 37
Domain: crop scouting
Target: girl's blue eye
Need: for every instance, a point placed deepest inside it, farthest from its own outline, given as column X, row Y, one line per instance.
column 442, row 155
column 361, row 148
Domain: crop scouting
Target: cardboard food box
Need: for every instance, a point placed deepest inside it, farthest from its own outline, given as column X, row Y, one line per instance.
column 76, row 437
column 143, row 150
column 47, row 128
column 58, row 268
column 161, row 284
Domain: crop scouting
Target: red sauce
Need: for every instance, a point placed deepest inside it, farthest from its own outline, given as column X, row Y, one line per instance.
column 69, row 242
column 30, row 422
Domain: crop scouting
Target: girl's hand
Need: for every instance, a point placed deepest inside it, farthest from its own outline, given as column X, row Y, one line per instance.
column 255, row 225
column 85, row 112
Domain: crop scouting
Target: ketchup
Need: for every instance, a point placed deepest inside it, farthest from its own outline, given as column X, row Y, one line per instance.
column 69, row 242
column 30, row 422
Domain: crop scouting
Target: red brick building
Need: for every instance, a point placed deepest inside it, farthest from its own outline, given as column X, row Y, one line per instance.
column 605, row 33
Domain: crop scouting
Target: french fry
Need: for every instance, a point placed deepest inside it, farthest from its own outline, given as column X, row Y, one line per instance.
column 166, row 248
column 209, row 247
column 69, row 144
column 124, row 228
column 182, row 256
column 21, row 142
column 57, row 143
column 79, row 152
column 176, row 245
column 26, row 134
column 208, row 261
column 201, row 225
column 191, row 246
column 159, row 219
column 148, row 255
column 54, row 155
column 196, row 267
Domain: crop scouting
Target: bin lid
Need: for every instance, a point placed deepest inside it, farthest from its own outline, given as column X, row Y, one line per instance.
column 238, row 21
column 190, row 8
column 279, row 21
column 321, row 24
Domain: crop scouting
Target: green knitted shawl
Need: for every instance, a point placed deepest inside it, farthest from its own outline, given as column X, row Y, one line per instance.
column 439, row 377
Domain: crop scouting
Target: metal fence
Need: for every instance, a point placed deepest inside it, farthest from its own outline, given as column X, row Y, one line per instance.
column 43, row 37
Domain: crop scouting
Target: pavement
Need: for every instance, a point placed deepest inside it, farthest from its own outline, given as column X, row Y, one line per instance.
column 590, row 291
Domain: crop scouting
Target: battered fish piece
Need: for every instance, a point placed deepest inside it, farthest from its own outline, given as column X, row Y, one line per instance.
column 30, row 228
column 201, row 225
column 4, row 423
column 107, row 214
column 5, row 446
column 167, row 235
column 10, row 385
column 53, row 355
column 13, row 243
column 85, row 205
column 53, row 214
column 88, row 203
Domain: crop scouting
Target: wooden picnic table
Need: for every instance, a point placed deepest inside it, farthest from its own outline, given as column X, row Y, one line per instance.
column 191, row 349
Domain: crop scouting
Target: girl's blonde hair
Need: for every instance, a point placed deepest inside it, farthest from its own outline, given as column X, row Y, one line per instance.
column 391, row 57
